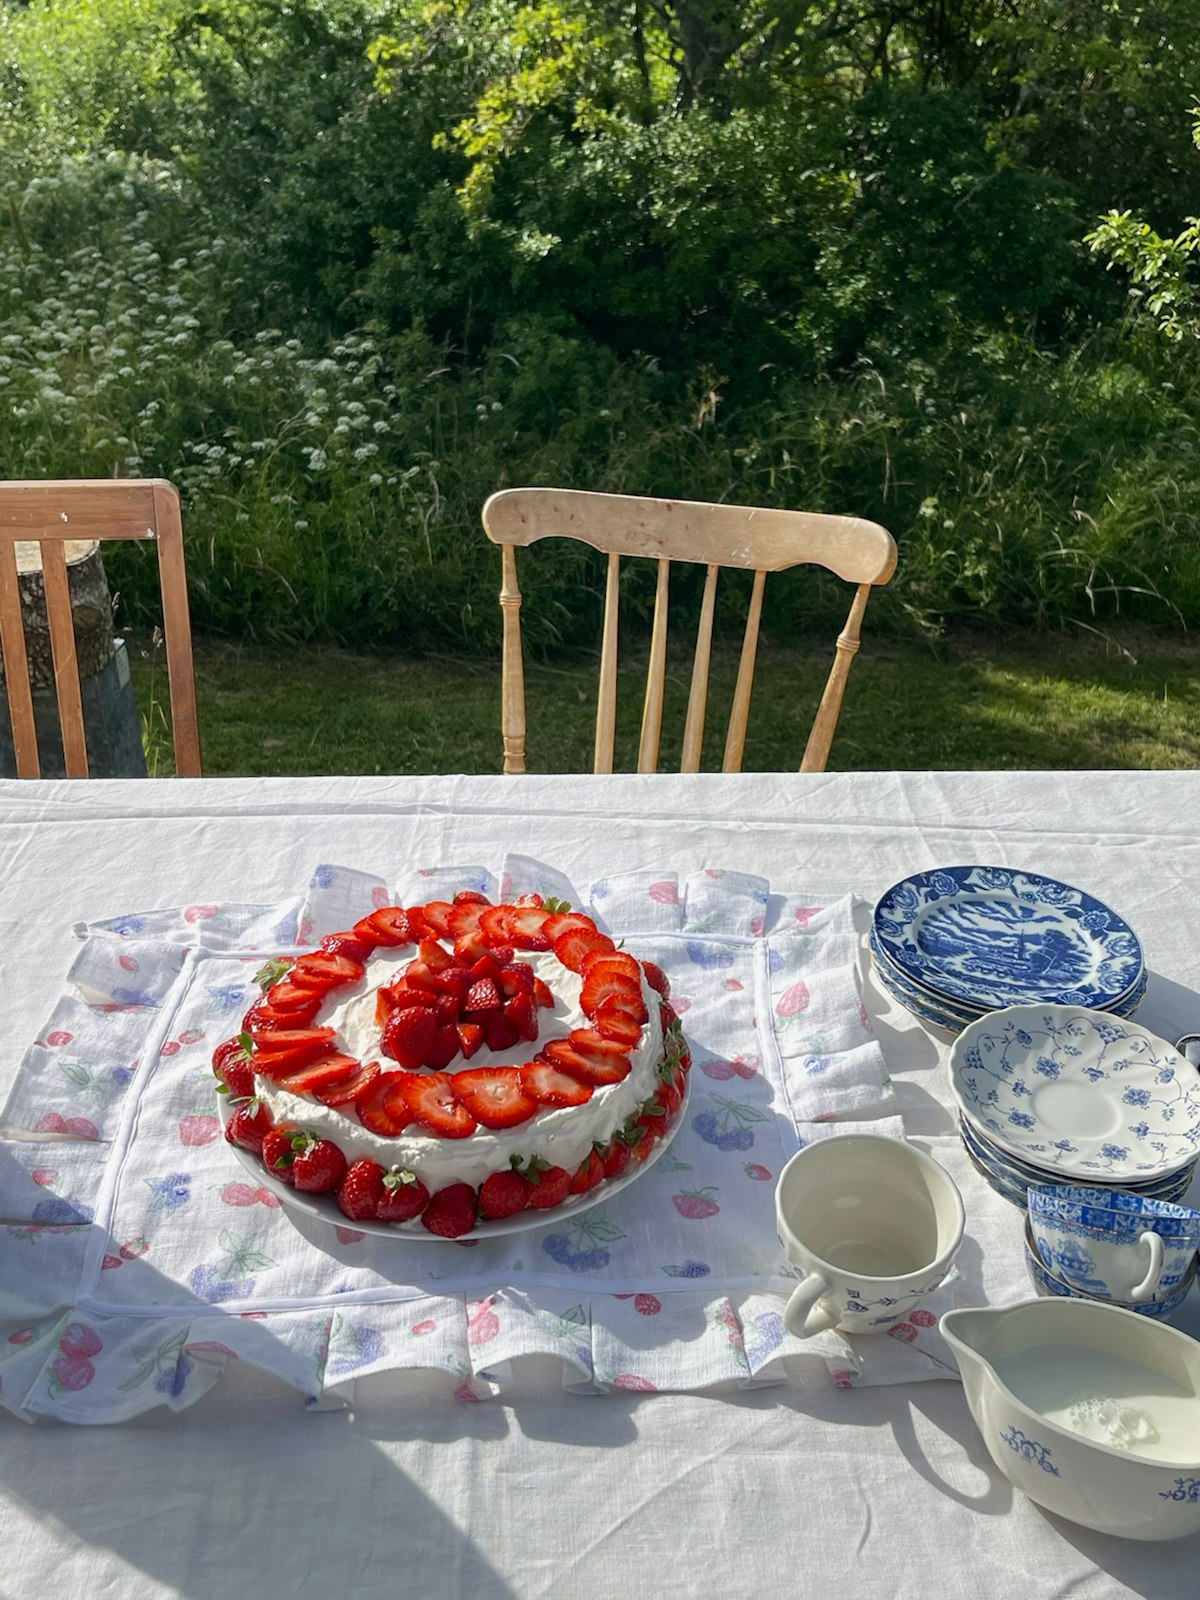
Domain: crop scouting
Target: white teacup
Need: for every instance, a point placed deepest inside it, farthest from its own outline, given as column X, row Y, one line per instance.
column 873, row 1223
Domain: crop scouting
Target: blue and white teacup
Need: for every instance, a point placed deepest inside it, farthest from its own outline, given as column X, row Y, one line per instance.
column 1111, row 1245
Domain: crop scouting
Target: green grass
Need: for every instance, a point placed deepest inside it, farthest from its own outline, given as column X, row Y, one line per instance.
column 1040, row 701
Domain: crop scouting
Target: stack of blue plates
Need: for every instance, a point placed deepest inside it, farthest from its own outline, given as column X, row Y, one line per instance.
column 1011, row 1178
column 1064, row 1094
column 953, row 944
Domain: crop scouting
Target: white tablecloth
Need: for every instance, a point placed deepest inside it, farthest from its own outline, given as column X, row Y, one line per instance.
column 882, row 1490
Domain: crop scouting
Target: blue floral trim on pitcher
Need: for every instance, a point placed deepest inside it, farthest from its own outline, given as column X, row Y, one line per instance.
column 1031, row 1450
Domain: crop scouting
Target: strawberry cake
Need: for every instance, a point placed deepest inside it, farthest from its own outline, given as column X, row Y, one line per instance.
column 451, row 1064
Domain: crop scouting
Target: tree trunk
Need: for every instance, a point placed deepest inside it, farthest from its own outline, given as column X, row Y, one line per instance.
column 91, row 610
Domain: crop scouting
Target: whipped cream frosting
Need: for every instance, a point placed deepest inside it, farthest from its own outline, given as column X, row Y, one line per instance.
column 560, row 1135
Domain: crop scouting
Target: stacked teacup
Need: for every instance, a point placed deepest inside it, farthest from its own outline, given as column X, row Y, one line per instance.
column 1104, row 1244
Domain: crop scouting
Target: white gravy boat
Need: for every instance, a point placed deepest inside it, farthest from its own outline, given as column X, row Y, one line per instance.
column 1092, row 1411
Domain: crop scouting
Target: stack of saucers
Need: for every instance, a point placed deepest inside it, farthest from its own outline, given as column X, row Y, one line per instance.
column 1063, row 1094
column 953, row 944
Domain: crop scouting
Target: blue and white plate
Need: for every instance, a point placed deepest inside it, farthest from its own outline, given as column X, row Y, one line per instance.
column 1078, row 1093
column 993, row 937
column 954, row 1018
column 1014, row 1178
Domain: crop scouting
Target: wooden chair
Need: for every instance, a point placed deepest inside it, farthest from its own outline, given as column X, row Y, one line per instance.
column 52, row 514
column 714, row 536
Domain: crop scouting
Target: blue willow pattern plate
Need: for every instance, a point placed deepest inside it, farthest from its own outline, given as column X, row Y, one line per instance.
column 1078, row 1092
column 995, row 937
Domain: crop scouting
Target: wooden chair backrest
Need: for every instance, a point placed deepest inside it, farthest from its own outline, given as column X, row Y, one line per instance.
column 715, row 536
column 51, row 513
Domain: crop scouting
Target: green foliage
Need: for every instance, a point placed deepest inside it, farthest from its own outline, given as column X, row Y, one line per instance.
column 342, row 268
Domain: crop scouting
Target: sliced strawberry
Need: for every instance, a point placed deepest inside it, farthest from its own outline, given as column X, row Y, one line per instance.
column 494, row 923
column 323, row 971
column 436, row 916
column 482, row 996
column 590, row 1043
column 495, row 1096
column 614, row 962
column 449, row 1007
column 263, row 1018
column 408, row 1035
column 486, row 967
column 522, row 1013
column 419, row 975
column 431, row 1101
column 471, row 897
column 564, row 921
column 384, row 1006
column 668, row 1016
column 349, row 945
column 453, row 980
column 288, row 996
column 657, row 978
column 599, row 987
column 381, row 1106
column 591, row 1066
column 503, row 1194
column 400, row 995
column 633, row 1005
column 574, row 946
column 366, row 930
column 502, row 955
column 470, row 947
column 525, row 928
column 501, row 1032
column 464, row 917
column 344, row 1094
column 444, row 1047
column 560, row 1054
column 325, row 1073
column 392, row 927
column 550, row 1087
column 613, row 1021
column 587, row 1174
column 451, row 1212
column 435, row 957
column 404, row 1196
column 470, row 1038
column 517, row 979
column 531, row 899
column 541, row 994
column 274, row 1040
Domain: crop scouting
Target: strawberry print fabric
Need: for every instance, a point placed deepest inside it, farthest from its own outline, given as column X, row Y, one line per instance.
column 140, row 1256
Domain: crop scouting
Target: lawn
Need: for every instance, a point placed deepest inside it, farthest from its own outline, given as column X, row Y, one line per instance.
column 1040, row 701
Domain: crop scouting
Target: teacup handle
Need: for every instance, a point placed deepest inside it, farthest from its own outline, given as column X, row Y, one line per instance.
column 1150, row 1282
column 802, row 1315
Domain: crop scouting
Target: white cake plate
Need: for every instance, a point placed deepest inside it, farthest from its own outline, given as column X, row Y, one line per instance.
column 324, row 1208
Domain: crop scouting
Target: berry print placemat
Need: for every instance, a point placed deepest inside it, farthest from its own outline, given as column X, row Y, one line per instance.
column 139, row 1257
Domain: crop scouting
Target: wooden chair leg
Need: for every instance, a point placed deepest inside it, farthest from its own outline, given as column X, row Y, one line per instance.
column 816, row 752
column 512, row 688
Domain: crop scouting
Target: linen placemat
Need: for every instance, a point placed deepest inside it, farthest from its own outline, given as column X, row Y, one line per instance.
column 140, row 1256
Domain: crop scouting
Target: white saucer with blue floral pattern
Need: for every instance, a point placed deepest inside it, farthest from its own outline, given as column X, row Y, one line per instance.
column 1078, row 1092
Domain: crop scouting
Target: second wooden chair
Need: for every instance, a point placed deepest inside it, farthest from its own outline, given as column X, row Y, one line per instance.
column 715, row 536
